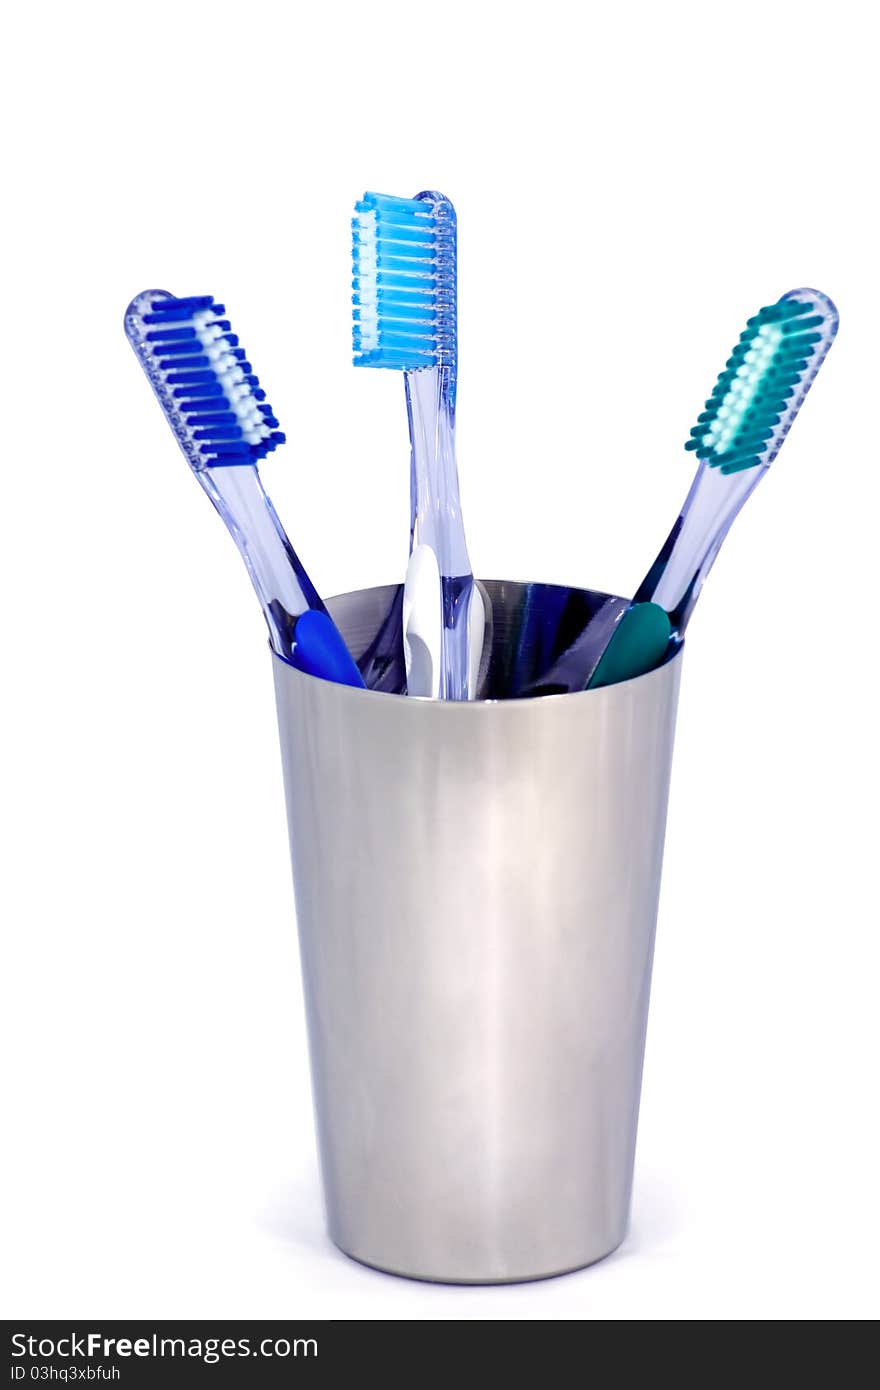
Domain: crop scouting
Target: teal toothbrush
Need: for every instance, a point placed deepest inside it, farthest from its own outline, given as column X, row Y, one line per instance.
column 736, row 438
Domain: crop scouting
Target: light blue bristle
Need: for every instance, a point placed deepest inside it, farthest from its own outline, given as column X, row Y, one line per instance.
column 764, row 382
column 214, row 403
column 404, row 252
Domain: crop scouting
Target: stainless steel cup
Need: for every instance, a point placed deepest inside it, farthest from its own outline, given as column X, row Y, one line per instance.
column 476, row 891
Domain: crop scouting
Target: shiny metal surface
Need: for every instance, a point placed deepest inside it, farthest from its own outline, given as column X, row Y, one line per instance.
column 476, row 889
column 535, row 625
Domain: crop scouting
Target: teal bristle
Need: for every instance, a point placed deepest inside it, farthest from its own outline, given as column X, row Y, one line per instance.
column 764, row 382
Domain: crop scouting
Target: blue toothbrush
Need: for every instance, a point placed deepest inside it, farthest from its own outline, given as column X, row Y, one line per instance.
column 222, row 422
column 404, row 252
column 737, row 436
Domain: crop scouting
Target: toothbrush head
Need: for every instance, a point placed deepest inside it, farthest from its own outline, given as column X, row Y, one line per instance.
column 764, row 382
column 211, row 399
column 404, row 282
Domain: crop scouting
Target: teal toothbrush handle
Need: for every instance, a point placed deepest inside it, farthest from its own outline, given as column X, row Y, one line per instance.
column 640, row 642
column 622, row 640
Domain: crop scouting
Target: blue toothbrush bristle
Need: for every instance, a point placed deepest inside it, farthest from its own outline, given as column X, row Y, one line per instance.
column 764, row 382
column 203, row 380
column 404, row 282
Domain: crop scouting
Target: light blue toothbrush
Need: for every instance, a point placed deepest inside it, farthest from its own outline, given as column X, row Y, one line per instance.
column 225, row 427
column 736, row 438
column 404, row 253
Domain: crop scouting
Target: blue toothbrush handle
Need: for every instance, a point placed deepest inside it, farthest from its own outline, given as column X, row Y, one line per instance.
column 300, row 629
column 320, row 651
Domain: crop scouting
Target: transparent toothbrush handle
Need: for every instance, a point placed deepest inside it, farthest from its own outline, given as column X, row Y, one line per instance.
column 436, row 522
column 574, row 667
column 282, row 585
column 455, row 667
column 300, row 629
column 677, row 575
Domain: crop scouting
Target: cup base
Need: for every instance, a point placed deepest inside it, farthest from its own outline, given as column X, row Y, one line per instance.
column 480, row 1279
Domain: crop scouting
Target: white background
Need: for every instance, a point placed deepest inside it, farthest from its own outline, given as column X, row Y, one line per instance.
column 632, row 182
